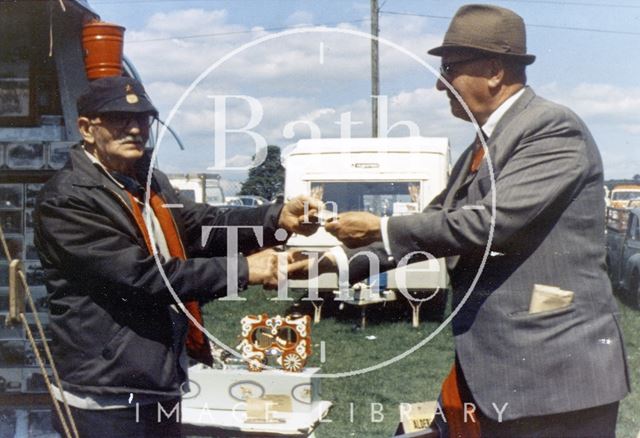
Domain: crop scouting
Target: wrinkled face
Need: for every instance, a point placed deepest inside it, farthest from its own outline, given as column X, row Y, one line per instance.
column 467, row 72
column 117, row 140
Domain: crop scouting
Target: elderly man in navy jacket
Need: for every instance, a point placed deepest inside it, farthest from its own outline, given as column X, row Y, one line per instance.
column 123, row 273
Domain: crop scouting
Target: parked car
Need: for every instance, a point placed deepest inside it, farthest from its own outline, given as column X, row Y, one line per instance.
column 625, row 196
column 246, row 201
column 278, row 198
column 623, row 250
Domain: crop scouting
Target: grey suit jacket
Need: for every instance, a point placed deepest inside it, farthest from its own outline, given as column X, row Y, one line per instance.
column 549, row 229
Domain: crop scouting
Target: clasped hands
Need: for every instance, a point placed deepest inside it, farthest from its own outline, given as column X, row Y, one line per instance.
column 300, row 215
column 354, row 229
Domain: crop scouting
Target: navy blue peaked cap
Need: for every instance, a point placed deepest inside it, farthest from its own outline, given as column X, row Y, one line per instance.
column 117, row 94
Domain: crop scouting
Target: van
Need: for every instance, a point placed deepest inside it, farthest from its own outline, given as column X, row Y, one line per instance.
column 625, row 196
column 201, row 187
column 384, row 176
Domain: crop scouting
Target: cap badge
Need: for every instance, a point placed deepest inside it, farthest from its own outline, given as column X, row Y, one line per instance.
column 131, row 96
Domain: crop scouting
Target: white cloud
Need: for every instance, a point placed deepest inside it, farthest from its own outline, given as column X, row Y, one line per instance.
column 168, row 47
column 186, row 21
column 413, row 35
column 273, row 62
column 612, row 114
column 601, row 103
column 299, row 17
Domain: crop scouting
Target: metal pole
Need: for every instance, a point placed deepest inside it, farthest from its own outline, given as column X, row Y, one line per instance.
column 375, row 77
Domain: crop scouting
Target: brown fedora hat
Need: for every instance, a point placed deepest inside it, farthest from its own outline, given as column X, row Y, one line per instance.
column 489, row 29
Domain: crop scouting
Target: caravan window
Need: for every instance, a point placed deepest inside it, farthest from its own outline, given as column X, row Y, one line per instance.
column 215, row 196
column 382, row 198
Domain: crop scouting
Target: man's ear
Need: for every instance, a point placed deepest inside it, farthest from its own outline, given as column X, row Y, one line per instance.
column 496, row 73
column 84, row 125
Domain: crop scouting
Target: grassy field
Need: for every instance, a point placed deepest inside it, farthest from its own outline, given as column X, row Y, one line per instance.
column 367, row 405
column 629, row 418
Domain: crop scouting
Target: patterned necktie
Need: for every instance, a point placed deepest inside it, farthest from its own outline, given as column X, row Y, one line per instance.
column 478, row 154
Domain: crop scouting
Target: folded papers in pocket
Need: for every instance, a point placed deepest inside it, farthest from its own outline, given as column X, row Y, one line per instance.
column 545, row 298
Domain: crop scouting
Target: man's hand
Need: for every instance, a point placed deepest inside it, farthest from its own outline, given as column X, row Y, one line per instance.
column 263, row 268
column 355, row 228
column 293, row 218
column 301, row 265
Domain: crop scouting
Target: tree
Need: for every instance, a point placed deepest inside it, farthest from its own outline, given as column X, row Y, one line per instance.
column 636, row 178
column 266, row 179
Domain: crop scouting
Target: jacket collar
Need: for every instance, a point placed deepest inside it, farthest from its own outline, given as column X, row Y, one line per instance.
column 496, row 116
column 464, row 177
column 516, row 108
column 92, row 174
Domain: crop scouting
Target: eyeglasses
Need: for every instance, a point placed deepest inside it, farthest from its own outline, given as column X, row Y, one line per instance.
column 122, row 121
column 446, row 69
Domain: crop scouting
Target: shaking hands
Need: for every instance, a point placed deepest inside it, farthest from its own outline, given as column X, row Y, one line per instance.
column 301, row 215
column 268, row 266
column 355, row 228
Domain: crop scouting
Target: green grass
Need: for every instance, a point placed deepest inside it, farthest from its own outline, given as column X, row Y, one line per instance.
column 415, row 378
column 629, row 417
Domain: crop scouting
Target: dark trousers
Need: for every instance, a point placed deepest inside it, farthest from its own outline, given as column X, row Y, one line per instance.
column 596, row 422
column 149, row 421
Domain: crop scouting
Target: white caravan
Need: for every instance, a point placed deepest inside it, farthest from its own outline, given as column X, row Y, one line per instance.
column 385, row 176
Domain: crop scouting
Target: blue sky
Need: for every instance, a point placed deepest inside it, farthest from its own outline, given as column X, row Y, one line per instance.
column 587, row 59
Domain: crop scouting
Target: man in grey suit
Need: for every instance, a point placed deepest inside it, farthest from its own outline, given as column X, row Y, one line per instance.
column 536, row 196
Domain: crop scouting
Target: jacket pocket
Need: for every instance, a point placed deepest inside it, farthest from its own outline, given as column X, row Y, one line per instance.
column 547, row 314
column 130, row 360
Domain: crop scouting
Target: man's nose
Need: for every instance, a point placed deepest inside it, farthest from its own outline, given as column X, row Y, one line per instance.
column 134, row 126
column 440, row 86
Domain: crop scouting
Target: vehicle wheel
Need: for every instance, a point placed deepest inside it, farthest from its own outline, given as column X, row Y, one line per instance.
column 635, row 289
column 616, row 286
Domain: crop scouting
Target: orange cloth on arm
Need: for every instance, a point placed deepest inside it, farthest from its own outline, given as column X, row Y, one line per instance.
column 197, row 344
column 453, row 399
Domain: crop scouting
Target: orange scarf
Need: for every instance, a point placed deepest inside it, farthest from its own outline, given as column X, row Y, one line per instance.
column 454, row 394
column 198, row 346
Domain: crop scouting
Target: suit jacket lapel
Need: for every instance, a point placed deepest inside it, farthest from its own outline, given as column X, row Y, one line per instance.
column 459, row 178
column 465, row 177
